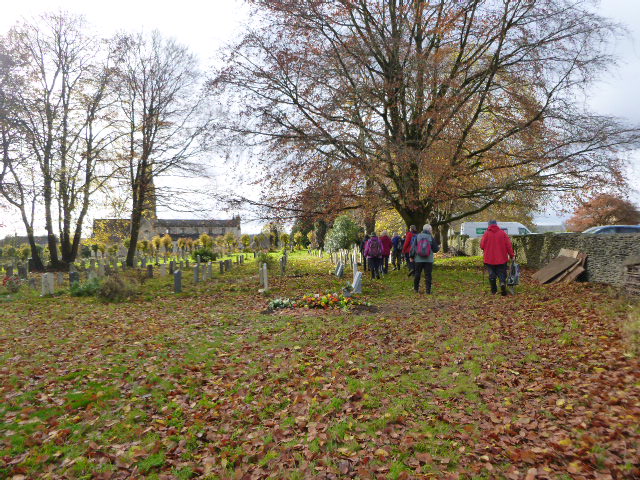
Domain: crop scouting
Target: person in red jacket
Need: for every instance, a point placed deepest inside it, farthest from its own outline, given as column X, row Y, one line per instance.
column 497, row 249
column 385, row 239
column 406, row 249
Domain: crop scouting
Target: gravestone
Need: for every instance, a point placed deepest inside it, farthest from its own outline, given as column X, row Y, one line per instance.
column 9, row 270
column 340, row 272
column 32, row 283
column 92, row 263
column 48, row 287
column 357, row 283
column 283, row 265
column 221, row 266
column 60, row 278
column 196, row 273
column 172, row 267
column 22, row 272
column 181, row 265
column 143, row 263
column 227, row 265
column 210, row 270
column 149, row 271
column 83, row 265
column 100, row 270
column 177, row 281
column 91, row 275
column 264, row 278
column 163, row 270
column 74, row 277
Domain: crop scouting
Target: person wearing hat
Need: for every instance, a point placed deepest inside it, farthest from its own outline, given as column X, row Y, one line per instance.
column 497, row 250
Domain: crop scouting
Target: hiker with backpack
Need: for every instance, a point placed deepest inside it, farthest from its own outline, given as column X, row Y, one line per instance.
column 387, row 244
column 497, row 250
column 373, row 254
column 396, row 251
column 363, row 245
column 423, row 247
column 406, row 249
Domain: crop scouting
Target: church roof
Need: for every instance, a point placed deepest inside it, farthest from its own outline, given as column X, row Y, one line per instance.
column 178, row 223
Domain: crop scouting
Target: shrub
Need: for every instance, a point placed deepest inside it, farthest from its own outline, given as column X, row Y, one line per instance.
column 344, row 233
column 206, row 255
column 115, row 289
column 12, row 284
column 86, row 289
column 266, row 257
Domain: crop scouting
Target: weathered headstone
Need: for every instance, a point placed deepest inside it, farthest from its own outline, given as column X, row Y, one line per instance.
column 196, row 273
column 340, row 272
column 265, row 278
column 227, row 265
column 143, row 263
column 92, row 263
column 60, row 278
column 91, row 275
column 210, row 270
column 221, row 266
column 22, row 272
column 177, row 281
column 149, row 271
column 172, row 267
column 163, row 270
column 74, row 277
column 100, row 270
column 48, row 287
column 357, row 283
column 32, row 283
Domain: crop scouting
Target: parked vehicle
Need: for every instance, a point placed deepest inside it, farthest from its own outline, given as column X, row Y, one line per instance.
column 477, row 229
column 614, row 229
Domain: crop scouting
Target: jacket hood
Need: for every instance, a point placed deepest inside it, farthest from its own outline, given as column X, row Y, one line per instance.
column 493, row 228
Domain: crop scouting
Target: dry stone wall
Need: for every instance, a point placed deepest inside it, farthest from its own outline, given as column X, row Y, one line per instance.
column 606, row 253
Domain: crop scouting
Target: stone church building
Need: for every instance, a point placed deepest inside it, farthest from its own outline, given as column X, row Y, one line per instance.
column 117, row 229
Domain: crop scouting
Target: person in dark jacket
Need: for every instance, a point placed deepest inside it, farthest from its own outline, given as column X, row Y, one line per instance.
column 363, row 244
column 396, row 251
column 387, row 244
column 497, row 250
column 406, row 249
column 423, row 263
column 373, row 253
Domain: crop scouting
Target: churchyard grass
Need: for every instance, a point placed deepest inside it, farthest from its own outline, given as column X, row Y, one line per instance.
column 207, row 383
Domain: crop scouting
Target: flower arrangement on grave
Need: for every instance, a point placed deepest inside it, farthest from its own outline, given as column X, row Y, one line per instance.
column 318, row 301
column 11, row 283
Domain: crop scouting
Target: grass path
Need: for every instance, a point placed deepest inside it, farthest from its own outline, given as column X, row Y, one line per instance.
column 205, row 384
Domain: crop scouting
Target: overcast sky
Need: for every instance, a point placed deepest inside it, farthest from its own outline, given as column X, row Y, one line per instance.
column 205, row 26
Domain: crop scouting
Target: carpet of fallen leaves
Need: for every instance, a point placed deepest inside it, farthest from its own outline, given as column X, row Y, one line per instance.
column 206, row 384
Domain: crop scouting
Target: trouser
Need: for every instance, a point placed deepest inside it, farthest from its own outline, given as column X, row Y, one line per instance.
column 427, row 268
column 410, row 264
column 497, row 272
column 385, row 267
column 396, row 259
column 364, row 262
column 374, row 266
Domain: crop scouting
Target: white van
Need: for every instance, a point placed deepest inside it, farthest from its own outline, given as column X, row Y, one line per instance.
column 477, row 229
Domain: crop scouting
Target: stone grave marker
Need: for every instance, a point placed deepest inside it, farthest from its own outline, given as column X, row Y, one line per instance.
column 48, row 287
column 9, row 270
column 196, row 273
column 172, row 267
column 357, row 283
column 221, row 266
column 177, row 281
column 32, row 283
column 100, row 270
column 143, row 262
column 91, row 275
column 60, row 278
column 227, row 265
column 163, row 270
column 340, row 272
column 22, row 272
column 283, row 265
column 210, row 270
column 150, row 271
column 265, row 278
column 74, row 277
column 92, row 263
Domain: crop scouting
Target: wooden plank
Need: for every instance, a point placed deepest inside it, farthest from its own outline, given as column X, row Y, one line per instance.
column 554, row 268
column 565, row 252
column 574, row 274
column 564, row 274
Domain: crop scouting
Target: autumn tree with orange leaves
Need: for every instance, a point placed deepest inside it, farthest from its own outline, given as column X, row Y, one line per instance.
column 604, row 209
column 442, row 107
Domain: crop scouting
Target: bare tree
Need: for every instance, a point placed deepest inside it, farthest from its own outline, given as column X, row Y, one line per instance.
column 161, row 100
column 63, row 116
column 445, row 106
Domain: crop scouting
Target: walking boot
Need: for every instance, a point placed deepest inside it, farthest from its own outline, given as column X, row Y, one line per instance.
column 494, row 286
column 503, row 290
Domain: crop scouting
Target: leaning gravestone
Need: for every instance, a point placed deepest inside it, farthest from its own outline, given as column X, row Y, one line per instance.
column 177, row 282
column 340, row 272
column 357, row 283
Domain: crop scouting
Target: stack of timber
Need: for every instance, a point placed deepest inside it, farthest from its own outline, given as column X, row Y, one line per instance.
column 566, row 267
column 632, row 276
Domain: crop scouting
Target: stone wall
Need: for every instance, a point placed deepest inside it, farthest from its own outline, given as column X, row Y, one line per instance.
column 606, row 253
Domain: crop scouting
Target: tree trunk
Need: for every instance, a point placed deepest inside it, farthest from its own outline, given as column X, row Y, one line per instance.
column 136, row 218
column 444, row 235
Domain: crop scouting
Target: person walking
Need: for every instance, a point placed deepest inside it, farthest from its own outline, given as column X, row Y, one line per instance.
column 423, row 247
column 387, row 244
column 406, row 249
column 497, row 250
column 396, row 252
column 373, row 253
column 363, row 244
